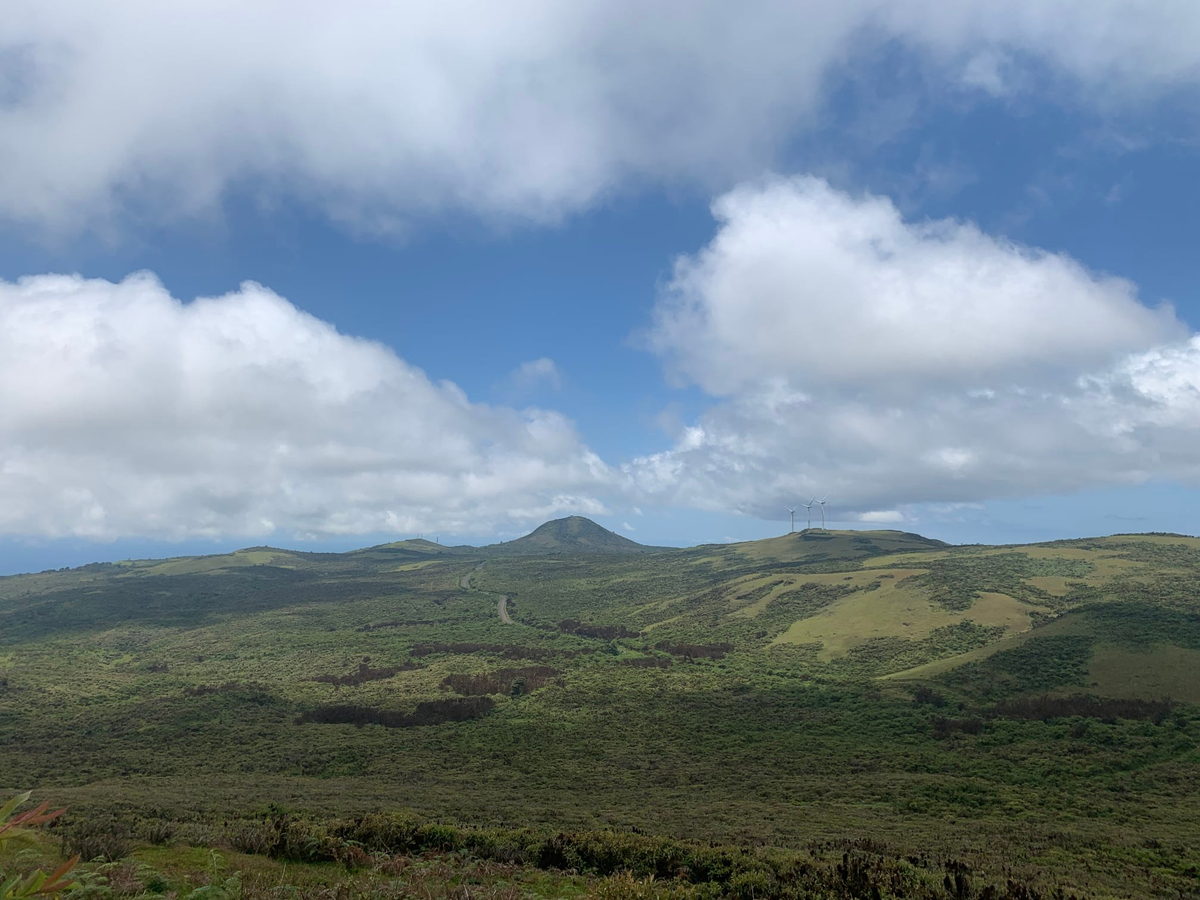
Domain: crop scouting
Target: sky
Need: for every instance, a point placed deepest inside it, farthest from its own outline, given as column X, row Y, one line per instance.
column 283, row 274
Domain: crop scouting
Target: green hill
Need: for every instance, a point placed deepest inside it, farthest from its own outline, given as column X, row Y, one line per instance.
column 573, row 534
column 399, row 551
column 826, row 691
column 819, row 545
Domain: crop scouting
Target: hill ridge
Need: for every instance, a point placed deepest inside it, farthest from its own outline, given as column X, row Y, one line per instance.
column 577, row 534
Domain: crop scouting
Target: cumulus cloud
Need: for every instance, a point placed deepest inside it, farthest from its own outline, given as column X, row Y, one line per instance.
column 377, row 113
column 890, row 363
column 872, row 453
column 809, row 283
column 128, row 412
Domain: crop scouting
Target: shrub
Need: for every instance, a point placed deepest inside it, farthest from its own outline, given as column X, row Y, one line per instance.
column 365, row 673
column 429, row 712
column 944, row 727
column 155, row 831
column 502, row 681
column 648, row 662
column 695, row 651
column 252, row 837
column 1045, row 708
column 925, row 694
column 100, row 838
column 600, row 632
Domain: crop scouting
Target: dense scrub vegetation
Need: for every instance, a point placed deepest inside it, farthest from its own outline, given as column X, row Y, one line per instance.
column 392, row 855
column 919, row 742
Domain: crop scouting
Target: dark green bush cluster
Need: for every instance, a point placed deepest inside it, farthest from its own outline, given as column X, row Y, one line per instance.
column 365, row 673
column 502, row 681
column 695, row 651
column 1044, row 708
column 923, row 693
column 648, row 662
column 600, row 632
column 943, row 726
column 430, row 712
column 505, row 651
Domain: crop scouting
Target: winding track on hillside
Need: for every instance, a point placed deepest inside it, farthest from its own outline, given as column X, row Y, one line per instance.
column 501, row 604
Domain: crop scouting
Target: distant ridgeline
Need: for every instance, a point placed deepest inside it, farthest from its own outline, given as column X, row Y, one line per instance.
column 1021, row 710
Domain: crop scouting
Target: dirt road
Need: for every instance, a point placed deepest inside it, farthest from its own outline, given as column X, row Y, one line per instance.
column 501, row 604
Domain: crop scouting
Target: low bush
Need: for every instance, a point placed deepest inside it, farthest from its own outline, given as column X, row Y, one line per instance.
column 155, row 831
column 502, row 681
column 648, row 662
column 101, row 837
column 695, row 651
column 600, row 632
column 944, row 727
column 430, row 712
column 364, row 674
column 1045, row 707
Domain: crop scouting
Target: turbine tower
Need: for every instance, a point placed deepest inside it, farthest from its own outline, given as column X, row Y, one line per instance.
column 822, row 502
column 809, row 506
column 792, row 510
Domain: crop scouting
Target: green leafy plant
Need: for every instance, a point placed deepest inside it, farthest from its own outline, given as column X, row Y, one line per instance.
column 36, row 883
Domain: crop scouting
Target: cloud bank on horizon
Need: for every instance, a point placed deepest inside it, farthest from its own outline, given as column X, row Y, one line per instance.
column 912, row 361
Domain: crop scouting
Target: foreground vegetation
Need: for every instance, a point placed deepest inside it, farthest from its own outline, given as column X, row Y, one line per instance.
column 397, row 856
column 997, row 715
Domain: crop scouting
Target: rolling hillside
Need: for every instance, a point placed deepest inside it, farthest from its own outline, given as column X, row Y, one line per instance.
column 804, row 690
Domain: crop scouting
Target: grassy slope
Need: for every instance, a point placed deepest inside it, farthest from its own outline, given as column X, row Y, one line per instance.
column 180, row 683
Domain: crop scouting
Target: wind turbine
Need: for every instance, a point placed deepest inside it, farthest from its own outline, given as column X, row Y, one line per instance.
column 822, row 502
column 809, row 506
column 792, row 510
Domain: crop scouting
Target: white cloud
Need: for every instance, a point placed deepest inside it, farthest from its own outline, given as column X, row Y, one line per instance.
column 627, row 526
column 536, row 373
column 987, row 72
column 872, row 452
column 890, row 363
column 127, row 412
column 810, row 284
column 378, row 113
column 882, row 516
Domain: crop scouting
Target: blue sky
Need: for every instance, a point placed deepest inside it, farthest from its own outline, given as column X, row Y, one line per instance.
column 918, row 268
